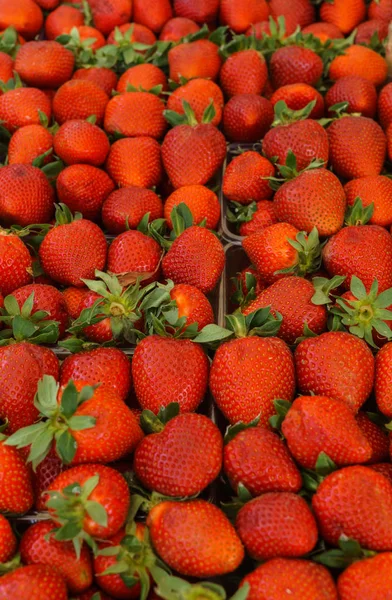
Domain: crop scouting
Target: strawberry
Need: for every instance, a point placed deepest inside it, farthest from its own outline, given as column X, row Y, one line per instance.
column 46, row 298
column 293, row 64
column 61, row 20
column 22, row 366
column 131, row 32
column 200, row 11
column 85, row 246
column 357, row 147
column 155, row 17
column 93, row 38
column 346, row 15
column 16, row 488
column 382, row 386
column 368, row 29
column 81, row 142
column 28, row 143
column 37, row 546
column 181, row 439
column 135, row 114
column 244, row 72
column 133, row 254
column 8, row 543
column 339, row 505
column 239, row 15
column 198, row 529
column 177, row 28
column 247, row 118
column 35, row 582
column 142, row 77
column 103, row 77
column 295, row 12
column 15, row 263
column 360, row 93
column 79, row 99
column 335, row 364
column 198, row 93
column 201, row 201
column 84, row 188
column 374, row 189
column 126, row 207
column 194, row 59
column 315, row 424
column 108, row 14
column 25, row 16
column 380, row 9
column 45, row 64
column 297, row 96
column 246, row 178
column 304, row 579
column 73, row 297
column 193, row 305
column 362, row 61
column 135, row 161
column 385, row 106
column 157, row 361
column 376, row 437
column 72, row 493
column 260, row 461
column 6, row 67
column 370, row 577
column 292, row 298
column 323, row 31
column 45, row 473
column 276, row 524
column 384, row 468
column 22, row 106
column 263, row 216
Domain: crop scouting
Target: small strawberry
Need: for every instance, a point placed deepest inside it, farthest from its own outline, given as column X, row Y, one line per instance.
column 201, row 201
column 134, row 255
column 369, row 29
column 198, row 93
column 345, row 14
column 135, row 114
column 16, row 489
column 195, row 59
column 29, row 143
column 79, row 99
column 192, row 304
column 362, row 61
column 22, row 106
column 246, row 178
column 247, row 118
column 370, row 577
column 177, row 28
column 201, row 11
column 263, row 216
column 198, row 529
column 81, row 142
column 103, row 77
column 244, row 72
column 239, row 15
column 293, row 64
column 44, row 64
column 135, row 161
column 35, row 582
column 360, row 93
column 15, row 263
column 374, row 189
column 128, row 33
column 297, row 96
column 142, row 77
column 156, row 17
column 125, row 208
column 46, row 298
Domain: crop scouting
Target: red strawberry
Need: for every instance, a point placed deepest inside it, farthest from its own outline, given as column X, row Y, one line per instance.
column 144, row 76
column 384, row 468
column 198, row 93
column 201, row 11
column 194, row 59
column 73, row 297
column 293, row 64
column 103, row 77
column 131, row 32
column 244, row 72
column 295, row 12
column 181, row 440
column 78, row 141
column 8, row 542
column 370, row 577
column 337, row 365
column 380, row 9
column 133, row 254
column 259, row 460
column 61, row 20
column 345, row 14
column 177, row 28
column 383, row 382
column 276, row 524
column 323, row 31
column 25, row 16
column 15, row 263
column 368, row 29
column 376, row 437
column 246, row 178
column 126, row 207
column 201, row 201
column 39, row 547
column 28, row 143
column 21, row 106
column 45, row 473
column 35, row 582
column 108, row 14
column 15, row 487
column 247, row 118
column 79, row 99
column 44, row 64
column 135, row 114
column 374, row 189
column 239, row 15
column 160, row 364
column 362, row 61
column 135, row 161
column 297, row 96
column 263, row 217
column 47, row 298
column 198, row 529
column 193, row 305
column 153, row 17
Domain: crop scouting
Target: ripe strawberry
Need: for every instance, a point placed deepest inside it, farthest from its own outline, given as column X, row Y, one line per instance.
column 133, row 254
column 247, row 118
column 360, row 93
column 132, row 32
column 364, row 251
column 376, row 437
column 340, row 502
column 200, row 11
column 323, row 31
column 293, row 64
column 198, row 93
column 193, row 305
column 73, row 249
column 380, row 9
column 357, row 147
column 45, row 473
column 177, row 28
column 78, row 141
column 316, row 424
column 155, row 17
column 180, row 440
column 245, row 178
column 304, row 579
column 276, row 524
column 263, row 217
column 259, row 460
column 37, row 546
column 335, row 364
column 142, row 77
column 346, row 15
column 79, row 99
column 362, row 61
column 239, row 15
column 297, row 96
column 368, row 29
column 46, row 298
column 28, row 143
column 92, row 36
column 15, row 263
column 45, row 64
column 8, row 542
column 78, row 485
column 244, row 72
column 292, row 298
column 73, row 297
column 295, row 12
column 84, row 189
column 103, row 77
column 135, row 114
column 370, row 577
column 384, row 468
column 201, row 201
column 376, row 190
column 16, row 489
column 126, row 207
column 135, row 161
column 61, row 20
column 385, row 106
column 198, row 529
column 21, row 106
column 383, row 383
column 6, row 67
column 35, row 582
column 25, row 16
column 26, row 196
column 158, row 361
column 194, row 59
column 108, row 14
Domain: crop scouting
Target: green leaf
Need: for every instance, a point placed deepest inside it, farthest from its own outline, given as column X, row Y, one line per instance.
column 212, row 333
column 324, row 464
column 69, row 400
column 27, row 306
column 357, row 288
column 80, row 423
column 25, row 436
column 66, row 446
column 22, row 329
column 11, row 305
column 97, row 513
column 68, row 532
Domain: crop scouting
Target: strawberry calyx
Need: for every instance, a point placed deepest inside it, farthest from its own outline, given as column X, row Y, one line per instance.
column 244, row 291
column 349, row 551
column 340, row 111
column 156, row 90
column 55, row 423
column 312, row 478
column 323, row 288
column 81, row 49
column 364, row 313
column 233, row 430
column 286, row 116
column 69, row 507
column 188, row 117
column 12, row 84
column 21, row 324
column 240, row 213
column 232, row 508
column 308, row 249
column 9, row 41
column 289, row 170
column 261, row 323
column 282, row 407
column 11, row 565
column 175, row 588
column 151, row 423
column 357, row 214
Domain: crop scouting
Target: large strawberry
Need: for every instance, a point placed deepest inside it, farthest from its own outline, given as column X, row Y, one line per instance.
column 44, row 64
column 79, row 99
column 21, row 106
column 362, row 61
column 80, row 142
column 135, row 114
column 8, row 543
column 297, row 96
column 29, row 143
column 376, row 190
column 360, row 93
column 239, row 15
column 15, row 263
column 345, row 14
column 46, row 298
column 134, row 255
column 125, row 208
column 198, row 93
column 135, row 161
column 201, row 201
column 244, row 72
column 35, row 582
column 155, row 17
